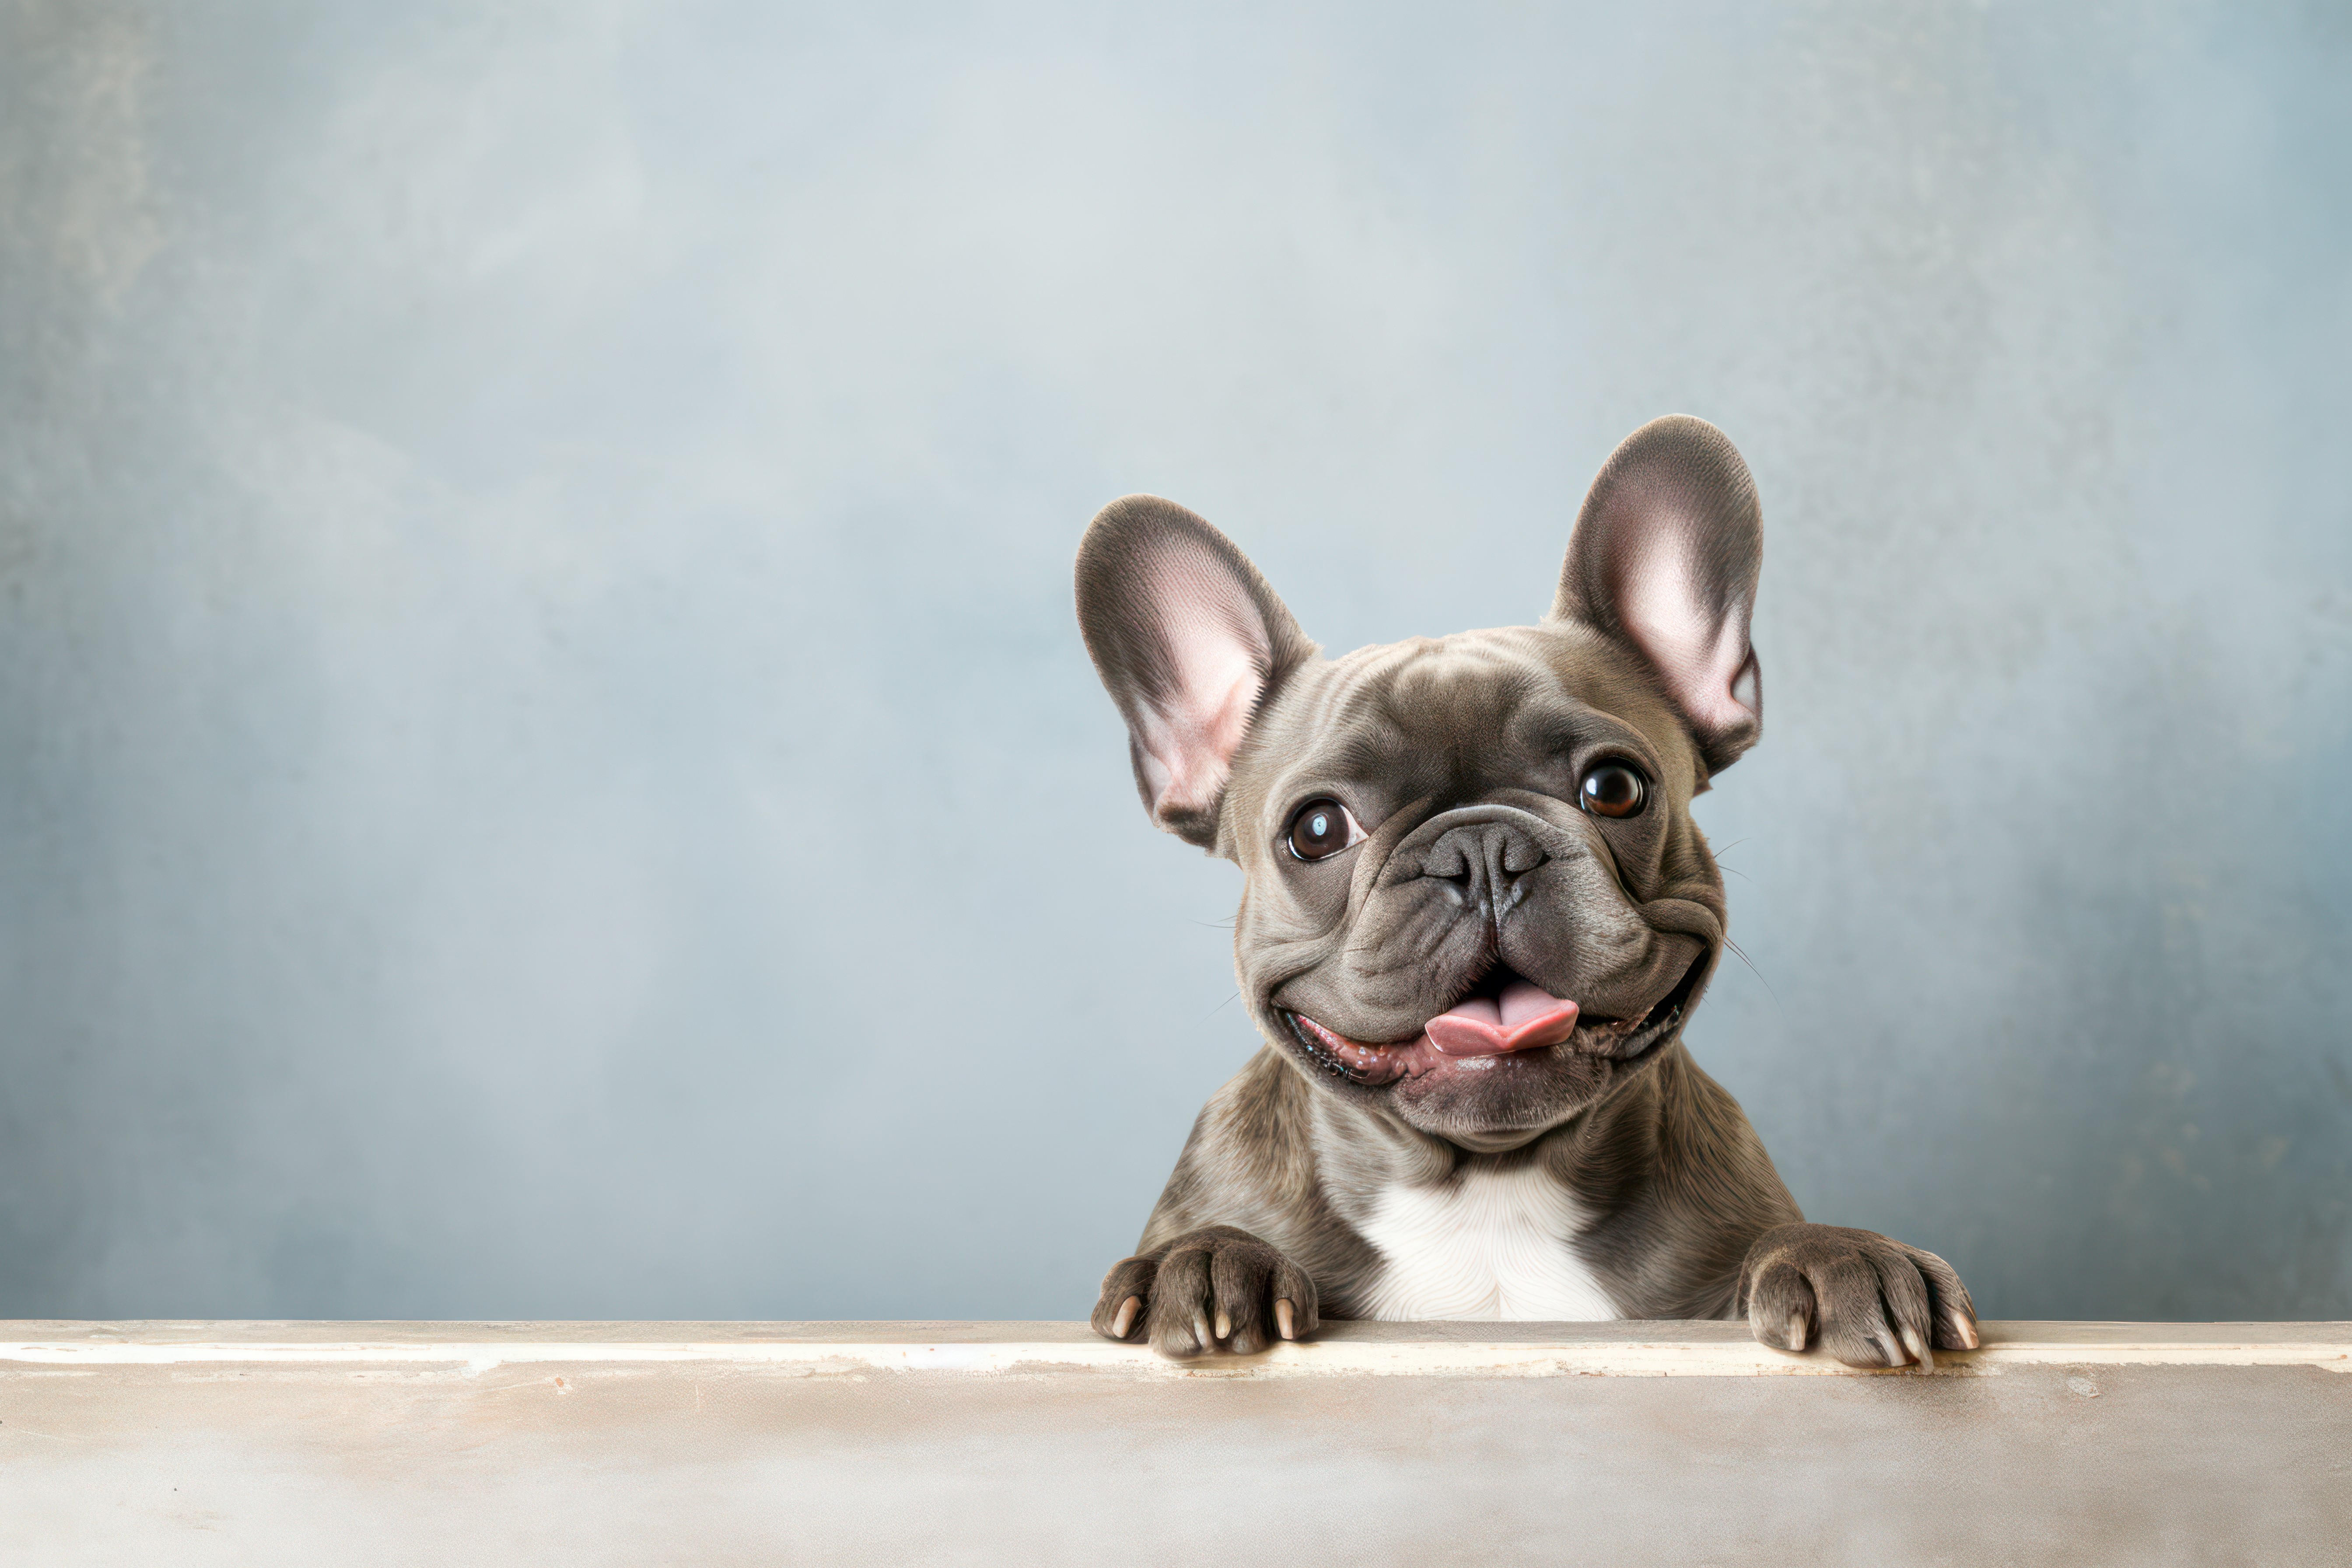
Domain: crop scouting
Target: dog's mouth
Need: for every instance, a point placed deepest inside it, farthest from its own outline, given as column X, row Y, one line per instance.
column 1505, row 1014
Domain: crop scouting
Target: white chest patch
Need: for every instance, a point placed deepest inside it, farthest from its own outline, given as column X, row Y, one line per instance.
column 1487, row 1245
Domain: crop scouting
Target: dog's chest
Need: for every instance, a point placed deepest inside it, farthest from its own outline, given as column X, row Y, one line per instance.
column 1486, row 1245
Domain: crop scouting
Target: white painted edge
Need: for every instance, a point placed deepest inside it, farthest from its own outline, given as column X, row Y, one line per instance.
column 1335, row 1358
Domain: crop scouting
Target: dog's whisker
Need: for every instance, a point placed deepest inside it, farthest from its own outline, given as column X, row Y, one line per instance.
column 1741, row 953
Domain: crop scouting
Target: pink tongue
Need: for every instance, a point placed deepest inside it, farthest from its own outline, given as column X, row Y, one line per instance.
column 1522, row 1019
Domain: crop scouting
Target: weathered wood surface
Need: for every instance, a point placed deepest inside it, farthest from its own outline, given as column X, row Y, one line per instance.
column 982, row 1442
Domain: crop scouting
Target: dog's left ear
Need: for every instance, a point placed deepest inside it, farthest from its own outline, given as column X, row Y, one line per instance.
column 1189, row 641
column 1664, row 557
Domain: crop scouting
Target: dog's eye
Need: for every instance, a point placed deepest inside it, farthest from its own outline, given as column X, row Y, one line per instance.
column 1612, row 789
column 1322, row 829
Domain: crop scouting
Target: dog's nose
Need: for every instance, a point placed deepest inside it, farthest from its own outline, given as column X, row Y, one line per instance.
column 1484, row 860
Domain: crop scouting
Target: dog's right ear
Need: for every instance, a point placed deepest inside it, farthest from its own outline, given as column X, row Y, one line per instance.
column 1189, row 641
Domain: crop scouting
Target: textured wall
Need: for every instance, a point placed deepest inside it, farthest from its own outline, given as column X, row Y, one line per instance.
column 546, row 769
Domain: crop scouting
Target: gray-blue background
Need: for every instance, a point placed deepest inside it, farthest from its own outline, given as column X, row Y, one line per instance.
column 545, row 767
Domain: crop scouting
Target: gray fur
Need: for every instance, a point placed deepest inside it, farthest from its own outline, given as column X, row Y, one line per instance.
column 1461, row 758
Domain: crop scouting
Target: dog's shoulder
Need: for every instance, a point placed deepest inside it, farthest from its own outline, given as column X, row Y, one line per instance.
column 1678, row 1185
column 1250, row 1151
column 1252, row 1162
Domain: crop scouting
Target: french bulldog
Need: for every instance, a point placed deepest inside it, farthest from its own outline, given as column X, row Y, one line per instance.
column 1476, row 917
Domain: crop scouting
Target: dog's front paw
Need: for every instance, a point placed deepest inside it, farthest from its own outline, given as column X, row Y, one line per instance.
column 1216, row 1286
column 1866, row 1300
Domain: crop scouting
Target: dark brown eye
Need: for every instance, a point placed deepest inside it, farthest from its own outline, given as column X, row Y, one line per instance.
column 1322, row 827
column 1612, row 789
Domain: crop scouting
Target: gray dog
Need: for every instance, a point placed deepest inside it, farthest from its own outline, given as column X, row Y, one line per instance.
column 1476, row 916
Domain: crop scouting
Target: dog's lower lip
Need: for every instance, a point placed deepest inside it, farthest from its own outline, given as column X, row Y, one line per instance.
column 1350, row 1059
column 1658, row 1022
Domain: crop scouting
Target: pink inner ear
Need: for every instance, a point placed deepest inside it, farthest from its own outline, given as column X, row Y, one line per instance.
column 1699, row 653
column 1216, row 645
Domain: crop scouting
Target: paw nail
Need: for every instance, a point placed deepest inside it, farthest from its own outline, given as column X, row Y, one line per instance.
column 1126, row 1319
column 1283, row 1319
column 1224, row 1326
column 1918, row 1349
column 1201, row 1332
column 1796, row 1330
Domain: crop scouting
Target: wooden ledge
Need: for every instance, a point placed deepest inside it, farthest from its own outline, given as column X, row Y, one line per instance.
column 1630, row 1444
column 1654, row 1349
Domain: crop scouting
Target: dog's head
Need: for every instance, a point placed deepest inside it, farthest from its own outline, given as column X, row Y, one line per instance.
column 1474, row 896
